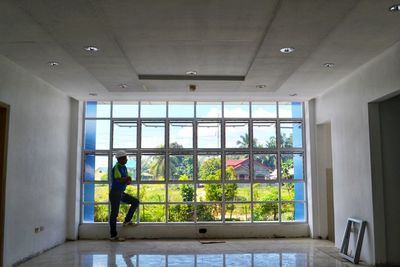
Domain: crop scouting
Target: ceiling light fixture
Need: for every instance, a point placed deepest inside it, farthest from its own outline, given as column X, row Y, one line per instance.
column 287, row 50
column 192, row 87
column 123, row 85
column 91, row 48
column 93, row 94
column 260, row 86
column 328, row 65
column 394, row 8
column 191, row 72
column 53, row 63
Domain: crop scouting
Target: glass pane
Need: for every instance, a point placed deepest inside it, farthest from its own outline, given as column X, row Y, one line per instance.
column 237, row 192
column 180, row 192
column 210, row 192
column 265, row 192
column 237, row 135
column 180, row 135
column 236, row 109
column 291, row 135
column 263, row 110
column 237, row 212
column 293, row 211
column 153, row 134
column 265, row 212
column 237, row 167
column 97, row 134
column 125, row 109
column 152, row 213
column 209, row 167
column 181, row 213
column 290, row 110
column 208, row 110
column 152, row 168
column 153, row 109
column 292, row 191
column 95, row 213
column 96, row 168
column 264, row 135
column 208, row 135
column 130, row 165
column 181, row 110
column 264, row 167
column 96, row 109
column 152, row 193
column 95, row 192
column 181, row 167
column 208, row 212
column 292, row 166
column 125, row 134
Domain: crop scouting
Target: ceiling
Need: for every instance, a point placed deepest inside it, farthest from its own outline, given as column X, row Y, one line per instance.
column 233, row 45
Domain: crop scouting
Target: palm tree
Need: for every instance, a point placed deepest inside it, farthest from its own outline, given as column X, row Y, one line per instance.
column 245, row 141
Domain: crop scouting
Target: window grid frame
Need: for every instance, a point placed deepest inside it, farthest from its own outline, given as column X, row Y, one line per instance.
column 167, row 151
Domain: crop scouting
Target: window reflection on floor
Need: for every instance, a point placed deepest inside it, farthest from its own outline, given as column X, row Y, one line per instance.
column 197, row 260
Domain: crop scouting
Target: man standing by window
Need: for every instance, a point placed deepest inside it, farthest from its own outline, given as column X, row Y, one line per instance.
column 120, row 179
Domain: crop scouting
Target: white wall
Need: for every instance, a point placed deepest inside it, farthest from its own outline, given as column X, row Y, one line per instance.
column 346, row 107
column 37, row 163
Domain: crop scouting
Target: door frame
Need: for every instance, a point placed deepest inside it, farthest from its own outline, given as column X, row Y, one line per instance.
column 4, row 120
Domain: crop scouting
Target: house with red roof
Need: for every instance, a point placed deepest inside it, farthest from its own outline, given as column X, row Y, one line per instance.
column 241, row 166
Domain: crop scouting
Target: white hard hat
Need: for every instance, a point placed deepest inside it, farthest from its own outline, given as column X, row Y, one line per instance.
column 120, row 154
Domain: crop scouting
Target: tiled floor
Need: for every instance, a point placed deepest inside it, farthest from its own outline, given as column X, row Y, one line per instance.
column 187, row 253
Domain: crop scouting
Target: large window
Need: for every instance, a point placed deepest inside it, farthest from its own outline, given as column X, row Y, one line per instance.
column 236, row 162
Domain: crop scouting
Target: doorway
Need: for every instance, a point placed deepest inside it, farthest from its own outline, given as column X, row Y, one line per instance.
column 4, row 111
column 385, row 146
column 325, row 182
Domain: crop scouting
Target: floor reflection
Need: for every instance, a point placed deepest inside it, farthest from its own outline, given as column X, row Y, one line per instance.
column 198, row 260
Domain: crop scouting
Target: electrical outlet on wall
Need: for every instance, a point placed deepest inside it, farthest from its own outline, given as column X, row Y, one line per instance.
column 39, row 229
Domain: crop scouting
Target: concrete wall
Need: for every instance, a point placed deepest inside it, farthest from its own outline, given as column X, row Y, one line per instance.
column 37, row 163
column 346, row 107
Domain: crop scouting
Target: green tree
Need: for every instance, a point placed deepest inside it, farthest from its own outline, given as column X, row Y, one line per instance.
column 230, row 190
column 186, row 190
column 268, row 208
column 245, row 141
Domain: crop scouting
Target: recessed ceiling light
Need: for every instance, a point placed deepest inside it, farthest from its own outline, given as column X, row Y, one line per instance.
column 294, row 94
column 123, row 85
column 53, row 63
column 394, row 8
column 93, row 94
column 328, row 65
column 191, row 72
column 287, row 50
column 260, row 86
column 91, row 48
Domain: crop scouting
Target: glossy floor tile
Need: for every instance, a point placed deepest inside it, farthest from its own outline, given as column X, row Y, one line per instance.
column 188, row 253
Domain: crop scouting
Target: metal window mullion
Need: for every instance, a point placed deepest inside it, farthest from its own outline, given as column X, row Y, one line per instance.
column 139, row 157
column 278, row 163
column 223, row 179
column 110, row 155
column 166, row 162
column 251, row 164
column 195, row 166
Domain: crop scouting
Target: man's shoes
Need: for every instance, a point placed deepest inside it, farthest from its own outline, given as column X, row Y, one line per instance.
column 130, row 223
column 117, row 239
